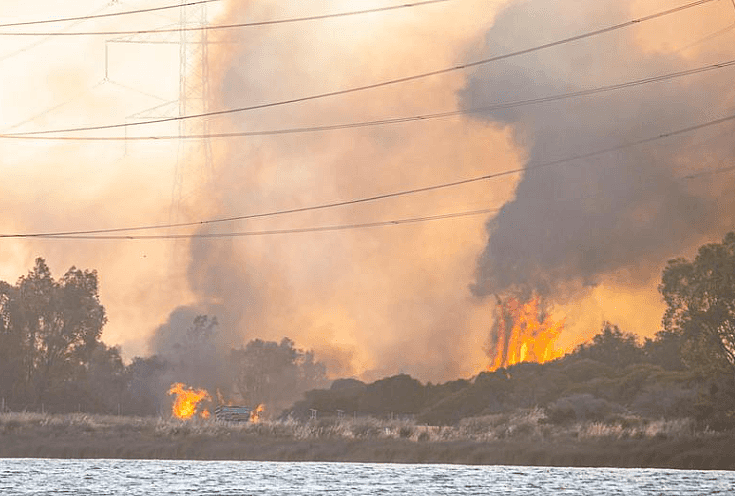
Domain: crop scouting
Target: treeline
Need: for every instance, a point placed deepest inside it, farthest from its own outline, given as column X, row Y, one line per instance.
column 50, row 349
column 274, row 374
column 597, row 378
column 52, row 358
column 687, row 370
column 611, row 377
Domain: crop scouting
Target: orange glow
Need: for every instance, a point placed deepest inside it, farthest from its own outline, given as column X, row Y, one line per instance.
column 187, row 401
column 255, row 414
column 523, row 334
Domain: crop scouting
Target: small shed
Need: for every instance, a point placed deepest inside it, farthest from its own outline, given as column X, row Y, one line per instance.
column 231, row 413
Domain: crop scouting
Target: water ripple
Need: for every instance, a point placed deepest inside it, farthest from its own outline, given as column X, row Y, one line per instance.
column 161, row 477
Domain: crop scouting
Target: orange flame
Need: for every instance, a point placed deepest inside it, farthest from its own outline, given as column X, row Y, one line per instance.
column 523, row 334
column 187, row 401
column 255, row 414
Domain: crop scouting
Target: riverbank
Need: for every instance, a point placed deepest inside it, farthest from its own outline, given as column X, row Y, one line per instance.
column 512, row 439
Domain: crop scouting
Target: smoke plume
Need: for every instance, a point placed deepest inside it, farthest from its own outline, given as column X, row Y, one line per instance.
column 589, row 235
column 620, row 214
column 368, row 302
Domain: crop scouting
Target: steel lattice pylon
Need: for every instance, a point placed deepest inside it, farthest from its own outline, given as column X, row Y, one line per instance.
column 193, row 98
column 194, row 156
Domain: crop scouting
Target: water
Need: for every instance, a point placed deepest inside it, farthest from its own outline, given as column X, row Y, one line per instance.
column 159, row 477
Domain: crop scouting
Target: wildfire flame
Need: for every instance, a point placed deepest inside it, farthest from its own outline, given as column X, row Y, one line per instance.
column 187, row 401
column 523, row 334
column 255, row 414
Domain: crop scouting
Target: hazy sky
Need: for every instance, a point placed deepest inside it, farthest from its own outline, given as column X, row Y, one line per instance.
column 417, row 298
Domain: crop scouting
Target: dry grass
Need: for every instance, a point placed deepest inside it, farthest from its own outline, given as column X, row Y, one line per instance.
column 519, row 438
column 522, row 425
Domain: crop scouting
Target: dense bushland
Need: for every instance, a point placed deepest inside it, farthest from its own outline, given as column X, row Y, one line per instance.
column 52, row 359
column 610, row 377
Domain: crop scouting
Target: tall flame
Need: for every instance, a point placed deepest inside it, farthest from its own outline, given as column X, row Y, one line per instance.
column 187, row 401
column 523, row 334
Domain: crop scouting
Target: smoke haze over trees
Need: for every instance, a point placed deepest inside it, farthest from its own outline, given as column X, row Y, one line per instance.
column 360, row 299
column 51, row 355
column 52, row 358
column 590, row 235
column 274, row 374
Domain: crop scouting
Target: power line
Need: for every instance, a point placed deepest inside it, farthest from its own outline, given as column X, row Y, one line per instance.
column 338, row 227
column 36, row 43
column 99, row 16
column 384, row 83
column 395, row 120
column 530, row 167
column 226, row 26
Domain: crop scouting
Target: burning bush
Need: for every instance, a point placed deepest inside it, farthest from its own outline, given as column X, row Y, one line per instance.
column 523, row 332
column 187, row 401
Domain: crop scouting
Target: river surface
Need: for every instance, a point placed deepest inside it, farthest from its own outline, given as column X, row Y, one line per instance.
column 162, row 477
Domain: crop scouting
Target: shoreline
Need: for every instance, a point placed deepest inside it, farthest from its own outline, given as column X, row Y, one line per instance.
column 88, row 437
column 711, row 456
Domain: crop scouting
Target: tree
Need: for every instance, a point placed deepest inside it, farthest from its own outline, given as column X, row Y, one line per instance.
column 664, row 350
column 145, row 379
column 104, row 381
column 48, row 330
column 275, row 374
column 700, row 296
column 11, row 344
column 612, row 347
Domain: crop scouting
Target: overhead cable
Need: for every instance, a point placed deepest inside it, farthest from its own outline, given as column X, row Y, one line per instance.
column 381, row 84
column 240, row 234
column 528, row 168
column 99, row 16
column 43, row 40
column 393, row 120
column 225, row 26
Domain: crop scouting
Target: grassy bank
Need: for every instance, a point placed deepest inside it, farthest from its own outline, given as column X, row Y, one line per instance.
column 523, row 438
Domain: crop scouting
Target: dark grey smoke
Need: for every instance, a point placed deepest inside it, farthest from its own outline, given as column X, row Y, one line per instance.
column 192, row 346
column 571, row 225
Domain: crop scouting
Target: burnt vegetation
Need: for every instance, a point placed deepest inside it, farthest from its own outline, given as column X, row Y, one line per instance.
column 52, row 360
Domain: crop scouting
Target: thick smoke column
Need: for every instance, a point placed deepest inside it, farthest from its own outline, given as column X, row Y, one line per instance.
column 618, row 214
column 396, row 299
column 378, row 302
column 371, row 302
